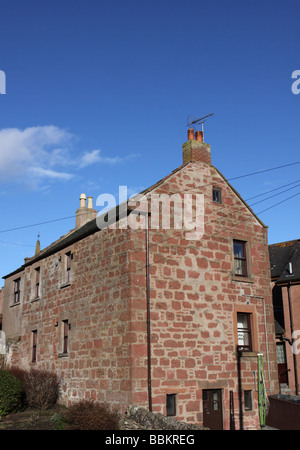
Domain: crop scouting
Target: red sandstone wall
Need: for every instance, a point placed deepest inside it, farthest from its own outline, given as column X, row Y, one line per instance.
column 96, row 305
column 194, row 300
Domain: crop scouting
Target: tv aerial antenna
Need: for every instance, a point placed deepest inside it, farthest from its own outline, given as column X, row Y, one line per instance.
column 193, row 122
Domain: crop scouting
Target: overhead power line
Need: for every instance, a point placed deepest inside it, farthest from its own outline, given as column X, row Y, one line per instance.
column 272, row 190
column 228, row 179
column 263, row 171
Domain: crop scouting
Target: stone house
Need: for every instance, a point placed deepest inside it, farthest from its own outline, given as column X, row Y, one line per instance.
column 285, row 273
column 134, row 308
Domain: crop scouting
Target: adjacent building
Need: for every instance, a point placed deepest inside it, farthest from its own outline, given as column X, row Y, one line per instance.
column 151, row 303
column 285, row 272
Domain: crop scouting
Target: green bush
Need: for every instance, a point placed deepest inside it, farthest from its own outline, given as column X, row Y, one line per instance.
column 90, row 415
column 10, row 393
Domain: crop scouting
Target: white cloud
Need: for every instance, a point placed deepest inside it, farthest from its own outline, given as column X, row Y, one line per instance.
column 39, row 172
column 89, row 158
column 43, row 153
column 26, row 151
column 94, row 157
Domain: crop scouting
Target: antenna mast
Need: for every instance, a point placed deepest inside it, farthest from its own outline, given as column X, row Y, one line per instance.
column 195, row 122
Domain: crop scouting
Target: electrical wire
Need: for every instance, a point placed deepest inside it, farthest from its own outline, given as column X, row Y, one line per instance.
column 271, row 190
column 232, row 210
column 72, row 216
column 263, row 171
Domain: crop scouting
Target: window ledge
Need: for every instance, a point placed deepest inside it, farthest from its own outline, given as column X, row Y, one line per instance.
column 63, row 355
column 15, row 304
column 248, row 354
column 242, row 279
column 64, row 285
column 35, row 300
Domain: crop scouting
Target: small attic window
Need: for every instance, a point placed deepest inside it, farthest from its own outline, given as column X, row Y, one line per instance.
column 217, row 195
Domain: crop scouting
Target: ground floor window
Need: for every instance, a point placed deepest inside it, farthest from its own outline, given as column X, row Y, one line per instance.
column 171, row 404
column 34, row 345
column 248, row 400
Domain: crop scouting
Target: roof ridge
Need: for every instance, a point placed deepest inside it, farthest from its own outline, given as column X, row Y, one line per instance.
column 293, row 241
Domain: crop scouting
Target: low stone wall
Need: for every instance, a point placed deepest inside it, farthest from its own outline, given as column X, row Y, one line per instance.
column 155, row 421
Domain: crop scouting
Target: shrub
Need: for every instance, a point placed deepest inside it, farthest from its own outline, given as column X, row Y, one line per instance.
column 20, row 374
column 90, row 415
column 10, row 393
column 58, row 421
column 41, row 388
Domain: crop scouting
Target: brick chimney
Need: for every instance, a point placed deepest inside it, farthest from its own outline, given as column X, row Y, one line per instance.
column 195, row 149
column 85, row 214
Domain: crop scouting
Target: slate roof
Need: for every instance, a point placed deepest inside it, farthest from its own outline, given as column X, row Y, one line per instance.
column 281, row 255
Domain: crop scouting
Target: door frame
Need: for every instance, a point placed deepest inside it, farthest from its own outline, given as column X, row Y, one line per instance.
column 215, row 420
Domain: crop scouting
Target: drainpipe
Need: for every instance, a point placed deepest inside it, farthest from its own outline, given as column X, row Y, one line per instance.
column 147, row 214
column 292, row 333
column 148, row 314
column 241, row 415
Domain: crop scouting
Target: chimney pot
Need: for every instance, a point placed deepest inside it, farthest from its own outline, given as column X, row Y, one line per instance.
column 199, row 136
column 82, row 200
column 191, row 134
column 83, row 214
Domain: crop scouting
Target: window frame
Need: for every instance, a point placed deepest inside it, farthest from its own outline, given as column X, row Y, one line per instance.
column 34, row 346
column 37, row 282
column 244, row 260
column 219, row 191
column 17, row 292
column 245, row 331
column 68, row 265
column 65, row 337
column 171, row 408
column 248, row 400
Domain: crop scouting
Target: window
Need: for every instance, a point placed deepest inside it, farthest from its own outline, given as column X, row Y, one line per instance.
column 280, row 352
column 34, row 345
column 244, row 332
column 17, row 284
column 248, row 400
column 171, row 404
column 240, row 258
column 68, row 267
column 37, row 282
column 65, row 336
column 217, row 195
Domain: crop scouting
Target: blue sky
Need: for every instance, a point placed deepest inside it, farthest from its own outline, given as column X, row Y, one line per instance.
column 98, row 93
